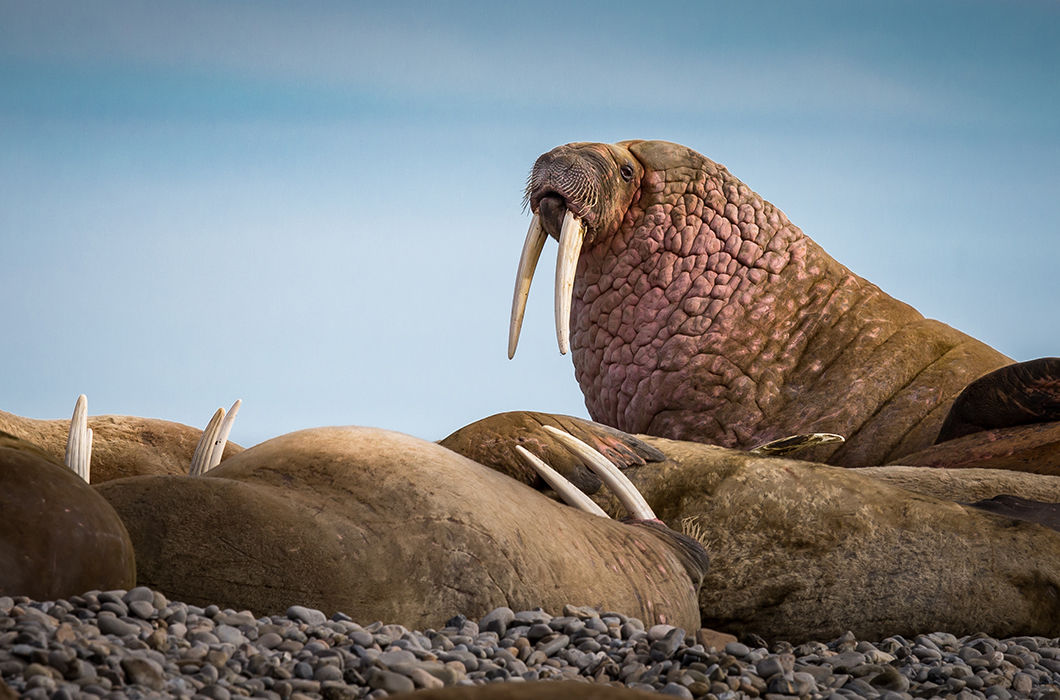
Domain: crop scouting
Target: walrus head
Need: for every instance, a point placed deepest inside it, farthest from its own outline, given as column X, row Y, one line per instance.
column 579, row 194
column 593, row 182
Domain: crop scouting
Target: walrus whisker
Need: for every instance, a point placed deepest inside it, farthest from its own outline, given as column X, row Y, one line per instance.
column 79, row 440
column 200, row 459
column 611, row 475
column 218, row 447
column 535, row 242
column 570, row 493
column 571, row 235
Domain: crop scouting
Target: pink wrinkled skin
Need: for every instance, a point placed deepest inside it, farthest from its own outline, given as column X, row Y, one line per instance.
column 709, row 316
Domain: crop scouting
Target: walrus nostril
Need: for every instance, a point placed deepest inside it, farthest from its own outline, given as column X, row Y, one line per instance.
column 552, row 208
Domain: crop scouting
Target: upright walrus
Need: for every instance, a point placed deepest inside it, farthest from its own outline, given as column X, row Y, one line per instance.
column 697, row 311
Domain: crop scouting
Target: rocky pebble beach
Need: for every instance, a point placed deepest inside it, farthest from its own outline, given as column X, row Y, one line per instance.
column 135, row 644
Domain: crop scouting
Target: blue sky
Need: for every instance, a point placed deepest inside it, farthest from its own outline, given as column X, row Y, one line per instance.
column 316, row 206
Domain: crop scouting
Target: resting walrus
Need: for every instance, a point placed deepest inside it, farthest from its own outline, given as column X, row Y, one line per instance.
column 698, row 311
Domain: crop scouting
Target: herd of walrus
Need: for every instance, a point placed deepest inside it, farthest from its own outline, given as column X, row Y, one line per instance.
column 713, row 341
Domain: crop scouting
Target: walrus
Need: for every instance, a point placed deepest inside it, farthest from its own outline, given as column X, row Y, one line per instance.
column 321, row 517
column 121, row 445
column 802, row 551
column 696, row 310
column 58, row 536
column 381, row 525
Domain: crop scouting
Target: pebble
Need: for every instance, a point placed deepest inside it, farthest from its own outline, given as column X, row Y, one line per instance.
column 137, row 643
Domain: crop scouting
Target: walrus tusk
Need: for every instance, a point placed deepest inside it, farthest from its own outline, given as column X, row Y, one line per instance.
column 79, row 441
column 566, row 490
column 535, row 242
column 200, row 459
column 611, row 475
column 571, row 235
column 218, row 447
column 794, row 443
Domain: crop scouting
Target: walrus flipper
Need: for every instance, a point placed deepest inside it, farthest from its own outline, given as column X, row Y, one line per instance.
column 1017, row 394
column 790, row 445
column 492, row 441
column 1047, row 514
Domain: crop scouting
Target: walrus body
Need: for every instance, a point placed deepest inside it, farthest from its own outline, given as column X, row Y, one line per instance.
column 700, row 312
column 381, row 525
column 804, row 551
column 808, row 551
column 385, row 526
column 58, row 537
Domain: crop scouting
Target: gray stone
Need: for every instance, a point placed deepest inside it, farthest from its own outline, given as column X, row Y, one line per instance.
column 1022, row 683
column 890, row 679
column 531, row 617
column 397, row 656
column 677, row 690
column 109, row 624
column 657, row 632
column 142, row 609
column 145, row 672
column 497, row 620
column 737, row 649
column 538, row 631
column 229, row 635
column 327, row 672
column 141, row 593
column 309, row 616
column 550, row 647
column 391, row 682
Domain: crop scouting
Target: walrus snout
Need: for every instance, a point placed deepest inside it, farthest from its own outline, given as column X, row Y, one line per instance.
column 552, row 208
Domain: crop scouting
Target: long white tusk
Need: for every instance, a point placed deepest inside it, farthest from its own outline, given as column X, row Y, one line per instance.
column 79, row 440
column 611, row 475
column 218, row 447
column 86, row 465
column 532, row 246
column 571, row 235
column 200, row 459
column 566, row 490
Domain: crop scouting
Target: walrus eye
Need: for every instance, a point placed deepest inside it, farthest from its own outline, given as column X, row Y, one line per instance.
column 626, row 171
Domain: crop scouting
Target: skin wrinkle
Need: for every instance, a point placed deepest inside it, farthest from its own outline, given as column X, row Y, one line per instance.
column 870, row 377
column 896, row 450
column 705, row 314
column 814, row 358
column 898, row 395
column 676, row 243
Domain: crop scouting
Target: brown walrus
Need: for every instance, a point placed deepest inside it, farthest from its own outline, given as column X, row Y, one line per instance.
column 381, row 525
column 805, row 551
column 698, row 311
column 58, row 536
column 123, row 445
